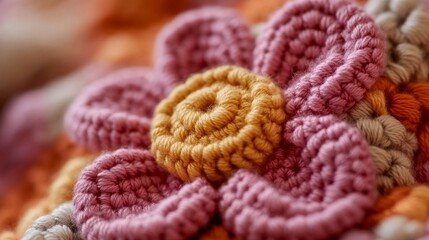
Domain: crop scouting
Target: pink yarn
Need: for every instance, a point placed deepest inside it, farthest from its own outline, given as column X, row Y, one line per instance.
column 125, row 195
column 202, row 39
column 5, row 7
column 325, row 53
column 116, row 111
column 21, row 139
column 317, row 186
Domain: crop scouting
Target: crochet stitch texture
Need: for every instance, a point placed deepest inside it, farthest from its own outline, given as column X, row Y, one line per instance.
column 393, row 114
column 114, row 113
column 404, row 24
column 217, row 122
column 317, row 175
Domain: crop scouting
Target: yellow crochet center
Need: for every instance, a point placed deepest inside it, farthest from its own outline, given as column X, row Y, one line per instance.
column 217, row 122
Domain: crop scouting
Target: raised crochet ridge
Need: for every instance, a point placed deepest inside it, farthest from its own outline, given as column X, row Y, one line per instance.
column 219, row 121
column 326, row 55
column 125, row 194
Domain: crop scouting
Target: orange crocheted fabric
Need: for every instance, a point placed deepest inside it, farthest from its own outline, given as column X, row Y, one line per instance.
column 36, row 180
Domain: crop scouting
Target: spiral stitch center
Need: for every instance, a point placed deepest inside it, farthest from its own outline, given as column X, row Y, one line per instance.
column 217, row 122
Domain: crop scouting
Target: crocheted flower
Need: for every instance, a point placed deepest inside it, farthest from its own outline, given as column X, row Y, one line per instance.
column 116, row 112
column 323, row 55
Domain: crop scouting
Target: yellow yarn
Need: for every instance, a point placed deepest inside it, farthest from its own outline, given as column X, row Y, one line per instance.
column 219, row 121
column 60, row 191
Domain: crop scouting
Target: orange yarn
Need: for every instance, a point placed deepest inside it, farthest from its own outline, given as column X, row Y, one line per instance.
column 257, row 11
column 411, row 202
column 118, row 14
column 60, row 191
column 409, row 103
column 392, row 146
column 219, row 121
column 35, row 182
column 216, row 232
column 382, row 208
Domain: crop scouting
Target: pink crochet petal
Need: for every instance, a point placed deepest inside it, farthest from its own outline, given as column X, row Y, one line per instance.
column 325, row 53
column 116, row 112
column 125, row 195
column 21, row 139
column 317, row 187
column 202, row 39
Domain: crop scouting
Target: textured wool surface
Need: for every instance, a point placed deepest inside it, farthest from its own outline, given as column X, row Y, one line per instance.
column 309, row 185
column 404, row 23
column 103, row 184
column 128, row 38
column 125, row 194
column 393, row 114
column 371, row 56
column 327, row 64
column 59, row 224
column 326, row 55
column 34, row 184
column 217, row 122
column 97, row 118
column 315, row 149
column 393, row 118
column 393, row 146
column 201, row 39
column 409, row 103
column 116, row 112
